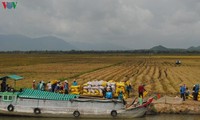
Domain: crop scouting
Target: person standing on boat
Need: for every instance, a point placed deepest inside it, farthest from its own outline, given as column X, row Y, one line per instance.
column 33, row 85
column 74, row 83
column 109, row 93
column 128, row 89
column 120, row 95
column 49, row 86
column 104, row 90
column 38, row 85
column 8, row 87
column 53, row 86
column 57, row 87
column 3, row 85
column 42, row 85
column 141, row 90
column 66, row 87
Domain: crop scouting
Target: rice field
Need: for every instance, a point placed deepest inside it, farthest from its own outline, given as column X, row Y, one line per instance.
column 160, row 74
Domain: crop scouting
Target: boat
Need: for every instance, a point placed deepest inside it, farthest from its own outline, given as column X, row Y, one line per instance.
column 36, row 103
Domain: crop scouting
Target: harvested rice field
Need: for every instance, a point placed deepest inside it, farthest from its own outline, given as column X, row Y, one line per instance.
column 159, row 73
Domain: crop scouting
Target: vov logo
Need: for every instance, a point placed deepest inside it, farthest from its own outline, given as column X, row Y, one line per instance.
column 9, row 5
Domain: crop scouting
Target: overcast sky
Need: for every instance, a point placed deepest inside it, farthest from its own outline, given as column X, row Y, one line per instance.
column 134, row 24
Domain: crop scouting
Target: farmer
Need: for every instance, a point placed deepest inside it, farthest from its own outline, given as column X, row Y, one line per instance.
column 128, row 89
column 74, row 83
column 182, row 91
column 141, row 90
column 49, row 86
column 33, row 85
column 120, row 96
column 104, row 92
column 108, row 93
column 187, row 93
column 66, row 87
column 3, row 86
column 196, row 91
column 38, row 86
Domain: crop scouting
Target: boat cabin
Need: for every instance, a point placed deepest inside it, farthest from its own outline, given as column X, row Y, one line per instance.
column 8, row 96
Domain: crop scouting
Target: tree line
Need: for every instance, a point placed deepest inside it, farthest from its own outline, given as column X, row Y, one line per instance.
column 102, row 52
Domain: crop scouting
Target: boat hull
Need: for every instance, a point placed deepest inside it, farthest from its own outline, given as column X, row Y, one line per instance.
column 67, row 115
column 82, row 108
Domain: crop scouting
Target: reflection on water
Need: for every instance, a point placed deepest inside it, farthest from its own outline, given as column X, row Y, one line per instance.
column 149, row 117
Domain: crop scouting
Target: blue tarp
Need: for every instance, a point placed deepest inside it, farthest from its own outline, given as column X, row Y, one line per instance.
column 14, row 77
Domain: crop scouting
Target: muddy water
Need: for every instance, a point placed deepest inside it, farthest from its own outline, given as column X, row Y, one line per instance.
column 149, row 117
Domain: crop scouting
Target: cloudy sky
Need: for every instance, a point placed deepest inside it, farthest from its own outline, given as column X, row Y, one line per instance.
column 134, row 24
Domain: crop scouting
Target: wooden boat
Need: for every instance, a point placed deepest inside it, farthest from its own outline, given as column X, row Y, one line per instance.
column 47, row 104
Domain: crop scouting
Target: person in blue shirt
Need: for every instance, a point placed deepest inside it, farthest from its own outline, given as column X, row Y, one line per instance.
column 182, row 91
column 120, row 96
column 108, row 93
column 128, row 89
column 74, row 83
column 196, row 92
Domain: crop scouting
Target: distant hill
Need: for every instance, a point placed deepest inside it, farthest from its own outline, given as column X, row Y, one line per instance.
column 162, row 48
column 194, row 48
column 159, row 48
column 51, row 43
column 23, row 43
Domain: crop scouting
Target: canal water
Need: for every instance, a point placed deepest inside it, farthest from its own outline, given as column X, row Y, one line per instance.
column 149, row 117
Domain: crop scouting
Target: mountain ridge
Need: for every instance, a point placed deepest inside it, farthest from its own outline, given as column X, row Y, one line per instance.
column 162, row 48
column 52, row 43
column 24, row 43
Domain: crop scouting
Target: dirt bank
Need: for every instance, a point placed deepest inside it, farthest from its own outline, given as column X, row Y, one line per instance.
column 175, row 105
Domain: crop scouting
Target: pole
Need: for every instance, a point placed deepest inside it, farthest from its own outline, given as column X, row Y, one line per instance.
column 14, row 84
